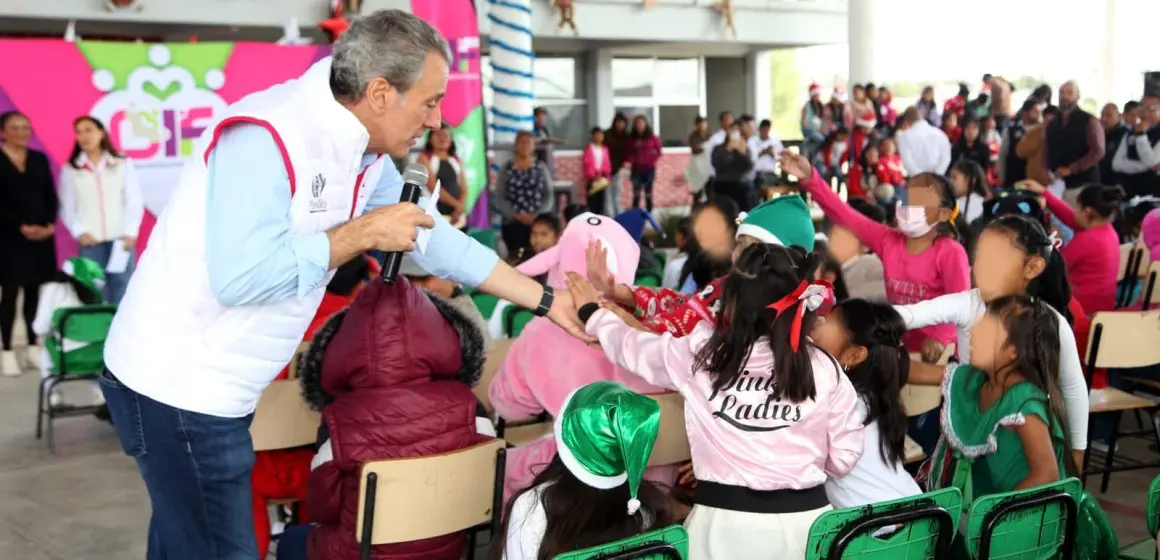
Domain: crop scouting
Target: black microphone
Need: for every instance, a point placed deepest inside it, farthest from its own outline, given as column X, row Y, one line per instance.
column 414, row 179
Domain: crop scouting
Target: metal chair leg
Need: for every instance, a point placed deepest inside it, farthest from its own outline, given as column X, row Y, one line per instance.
column 1110, row 460
column 40, row 398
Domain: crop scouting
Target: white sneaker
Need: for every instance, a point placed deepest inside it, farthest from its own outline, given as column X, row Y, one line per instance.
column 9, row 365
column 31, row 357
column 55, row 399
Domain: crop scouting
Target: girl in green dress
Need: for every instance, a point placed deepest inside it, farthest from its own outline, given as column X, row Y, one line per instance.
column 1002, row 416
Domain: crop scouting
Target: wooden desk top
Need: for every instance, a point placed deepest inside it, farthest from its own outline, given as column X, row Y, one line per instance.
column 1113, row 400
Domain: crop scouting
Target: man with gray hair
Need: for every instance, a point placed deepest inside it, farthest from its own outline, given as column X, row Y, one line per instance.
column 288, row 184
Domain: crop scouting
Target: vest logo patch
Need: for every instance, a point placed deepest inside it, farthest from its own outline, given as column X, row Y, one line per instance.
column 317, row 204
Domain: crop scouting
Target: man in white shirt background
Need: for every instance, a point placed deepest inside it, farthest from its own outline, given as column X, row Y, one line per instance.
column 1138, row 156
column 725, row 120
column 765, row 147
column 924, row 148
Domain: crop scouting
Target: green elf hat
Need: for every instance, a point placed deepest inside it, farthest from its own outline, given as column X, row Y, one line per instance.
column 784, row 220
column 604, row 435
column 85, row 271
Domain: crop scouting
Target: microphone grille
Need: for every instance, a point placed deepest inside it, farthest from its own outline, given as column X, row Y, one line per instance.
column 416, row 173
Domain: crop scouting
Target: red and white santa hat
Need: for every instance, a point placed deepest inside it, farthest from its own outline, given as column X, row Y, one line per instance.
column 866, row 120
column 839, row 94
column 815, row 89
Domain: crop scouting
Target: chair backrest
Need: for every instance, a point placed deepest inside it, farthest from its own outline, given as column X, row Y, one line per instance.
column 672, row 444
column 515, row 319
column 1153, row 508
column 423, row 497
column 283, row 420
column 486, row 303
column 486, row 237
column 1151, row 296
column 1124, row 339
column 527, row 432
column 669, row 543
column 926, row 526
column 1131, row 261
column 84, row 323
column 648, row 279
column 495, row 357
column 1033, row 523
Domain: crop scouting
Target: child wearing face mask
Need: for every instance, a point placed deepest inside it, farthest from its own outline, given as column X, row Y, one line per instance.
column 921, row 260
column 1014, row 255
column 1092, row 256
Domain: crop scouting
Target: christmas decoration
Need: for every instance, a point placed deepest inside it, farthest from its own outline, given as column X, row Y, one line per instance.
column 124, row 5
column 565, row 9
column 725, row 8
column 337, row 24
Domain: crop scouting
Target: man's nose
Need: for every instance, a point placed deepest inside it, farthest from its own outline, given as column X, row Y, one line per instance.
column 434, row 119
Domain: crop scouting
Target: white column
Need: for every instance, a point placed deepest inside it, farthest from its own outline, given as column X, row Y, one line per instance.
column 598, row 87
column 512, row 59
column 760, row 86
column 861, row 23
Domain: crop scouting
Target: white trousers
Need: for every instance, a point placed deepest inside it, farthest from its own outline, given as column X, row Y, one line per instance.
column 722, row 534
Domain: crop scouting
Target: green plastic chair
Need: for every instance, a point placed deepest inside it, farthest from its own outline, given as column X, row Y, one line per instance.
column 926, row 528
column 486, row 303
column 662, row 257
column 669, row 543
column 486, row 237
column 1146, row 549
column 515, row 319
column 648, row 279
column 89, row 325
column 1034, row 523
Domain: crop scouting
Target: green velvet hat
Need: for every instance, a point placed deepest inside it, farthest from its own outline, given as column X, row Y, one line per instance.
column 85, row 271
column 784, row 220
column 605, row 433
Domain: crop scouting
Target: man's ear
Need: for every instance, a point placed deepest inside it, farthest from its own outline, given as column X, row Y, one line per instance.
column 381, row 95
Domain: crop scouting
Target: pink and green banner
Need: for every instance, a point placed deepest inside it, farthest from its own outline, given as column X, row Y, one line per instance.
column 156, row 99
column 463, row 104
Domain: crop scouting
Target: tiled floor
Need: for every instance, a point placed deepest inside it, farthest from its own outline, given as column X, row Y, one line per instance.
column 87, row 502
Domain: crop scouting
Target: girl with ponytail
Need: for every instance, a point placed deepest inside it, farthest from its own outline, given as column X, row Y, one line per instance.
column 770, row 415
column 1003, row 424
column 866, row 339
column 1014, row 255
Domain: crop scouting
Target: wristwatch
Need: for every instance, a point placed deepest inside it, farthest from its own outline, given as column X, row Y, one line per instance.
column 545, row 302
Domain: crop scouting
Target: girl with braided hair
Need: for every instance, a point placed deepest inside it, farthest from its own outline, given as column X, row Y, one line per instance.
column 1003, row 422
column 1014, row 256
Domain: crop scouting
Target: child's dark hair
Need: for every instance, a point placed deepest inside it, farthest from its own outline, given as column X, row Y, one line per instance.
column 684, row 228
column 1106, row 201
column 977, row 189
column 703, row 267
column 1138, row 208
column 868, row 209
column 880, row 377
column 828, row 264
column 594, row 130
column 573, row 210
column 580, row 516
column 550, row 220
column 1033, row 331
column 84, row 292
column 946, row 199
column 1051, row 286
column 762, row 275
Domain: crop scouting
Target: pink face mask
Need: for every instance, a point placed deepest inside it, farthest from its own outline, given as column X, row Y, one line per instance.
column 911, row 220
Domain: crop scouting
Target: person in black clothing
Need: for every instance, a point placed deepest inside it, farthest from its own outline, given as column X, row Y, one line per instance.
column 732, row 162
column 1014, row 167
column 1074, row 143
column 1137, row 158
column 1114, row 132
column 28, row 211
column 971, row 144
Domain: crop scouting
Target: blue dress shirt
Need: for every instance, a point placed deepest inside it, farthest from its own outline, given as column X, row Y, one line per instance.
column 252, row 256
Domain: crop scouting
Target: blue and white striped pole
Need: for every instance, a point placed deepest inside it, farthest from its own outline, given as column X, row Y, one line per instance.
column 512, row 59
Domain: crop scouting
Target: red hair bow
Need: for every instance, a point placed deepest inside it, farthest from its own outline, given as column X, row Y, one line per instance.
column 808, row 296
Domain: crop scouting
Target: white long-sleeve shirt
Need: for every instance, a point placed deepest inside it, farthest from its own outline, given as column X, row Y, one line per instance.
column 924, row 149
column 962, row 309
column 1149, row 156
column 130, row 212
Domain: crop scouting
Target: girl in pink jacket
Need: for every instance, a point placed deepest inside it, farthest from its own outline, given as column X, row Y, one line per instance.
column 597, row 172
column 769, row 415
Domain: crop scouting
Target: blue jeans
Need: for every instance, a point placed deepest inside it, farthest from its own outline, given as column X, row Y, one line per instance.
column 114, row 283
column 642, row 187
column 197, row 471
column 292, row 543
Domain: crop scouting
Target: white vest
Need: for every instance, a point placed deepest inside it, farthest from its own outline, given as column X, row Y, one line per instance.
column 172, row 340
column 100, row 197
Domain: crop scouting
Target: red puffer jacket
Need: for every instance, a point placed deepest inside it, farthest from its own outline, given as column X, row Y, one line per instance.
column 392, row 376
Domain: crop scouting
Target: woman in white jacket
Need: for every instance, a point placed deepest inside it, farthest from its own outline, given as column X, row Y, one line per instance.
column 101, row 205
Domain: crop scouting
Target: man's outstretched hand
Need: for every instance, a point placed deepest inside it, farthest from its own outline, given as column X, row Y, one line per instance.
column 563, row 313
